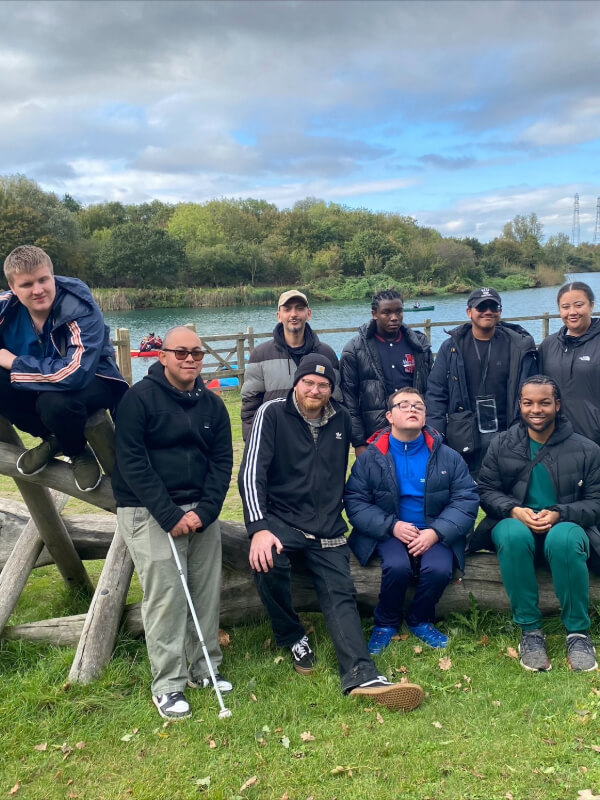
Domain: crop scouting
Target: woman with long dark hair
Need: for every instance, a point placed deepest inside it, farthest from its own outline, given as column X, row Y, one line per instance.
column 572, row 358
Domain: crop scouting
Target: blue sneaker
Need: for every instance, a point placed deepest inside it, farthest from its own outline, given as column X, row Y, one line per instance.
column 380, row 638
column 429, row 634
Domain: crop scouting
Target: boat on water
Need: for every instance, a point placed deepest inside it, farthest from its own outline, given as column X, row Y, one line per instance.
column 144, row 353
column 418, row 307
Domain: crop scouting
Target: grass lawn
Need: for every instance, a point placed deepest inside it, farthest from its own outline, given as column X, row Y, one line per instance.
column 487, row 729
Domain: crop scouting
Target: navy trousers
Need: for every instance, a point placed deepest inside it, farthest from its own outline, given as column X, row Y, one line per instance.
column 433, row 570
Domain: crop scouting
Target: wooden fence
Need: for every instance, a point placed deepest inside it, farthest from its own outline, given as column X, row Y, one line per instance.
column 228, row 352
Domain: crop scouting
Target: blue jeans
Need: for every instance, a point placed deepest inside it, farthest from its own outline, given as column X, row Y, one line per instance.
column 397, row 569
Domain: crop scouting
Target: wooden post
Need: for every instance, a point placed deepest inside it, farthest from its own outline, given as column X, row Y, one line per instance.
column 20, row 562
column 250, row 337
column 427, row 329
column 49, row 522
column 240, row 358
column 106, row 609
column 124, row 354
column 545, row 325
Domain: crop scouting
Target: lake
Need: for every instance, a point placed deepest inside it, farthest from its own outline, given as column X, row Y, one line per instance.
column 233, row 319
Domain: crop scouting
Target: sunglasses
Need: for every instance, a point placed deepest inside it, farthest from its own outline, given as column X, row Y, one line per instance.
column 490, row 306
column 181, row 353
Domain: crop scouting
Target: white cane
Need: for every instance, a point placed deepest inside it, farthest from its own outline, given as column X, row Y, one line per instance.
column 224, row 712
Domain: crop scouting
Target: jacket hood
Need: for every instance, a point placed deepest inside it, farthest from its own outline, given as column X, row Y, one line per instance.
column 73, row 298
column 156, row 374
column 381, row 439
column 575, row 341
column 562, row 431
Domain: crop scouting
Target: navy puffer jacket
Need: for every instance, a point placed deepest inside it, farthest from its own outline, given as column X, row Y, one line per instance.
column 372, row 496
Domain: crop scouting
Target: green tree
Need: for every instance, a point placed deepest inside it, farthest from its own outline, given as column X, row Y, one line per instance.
column 523, row 227
column 140, row 255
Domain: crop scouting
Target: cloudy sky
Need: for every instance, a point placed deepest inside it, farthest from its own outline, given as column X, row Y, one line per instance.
column 461, row 114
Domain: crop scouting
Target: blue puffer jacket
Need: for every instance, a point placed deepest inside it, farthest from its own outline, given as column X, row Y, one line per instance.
column 82, row 346
column 372, row 496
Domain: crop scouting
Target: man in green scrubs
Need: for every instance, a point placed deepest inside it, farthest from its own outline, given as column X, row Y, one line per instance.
column 540, row 487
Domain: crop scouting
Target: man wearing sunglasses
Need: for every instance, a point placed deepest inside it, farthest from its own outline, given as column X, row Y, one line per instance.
column 472, row 392
column 411, row 501
column 292, row 482
column 174, row 462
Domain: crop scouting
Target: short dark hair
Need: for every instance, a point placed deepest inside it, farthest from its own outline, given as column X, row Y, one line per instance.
column 541, row 380
column 404, row 390
column 385, row 294
column 576, row 286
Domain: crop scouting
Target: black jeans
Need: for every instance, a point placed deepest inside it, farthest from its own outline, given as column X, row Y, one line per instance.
column 329, row 569
column 62, row 413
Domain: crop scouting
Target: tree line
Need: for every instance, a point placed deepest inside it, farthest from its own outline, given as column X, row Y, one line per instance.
column 250, row 242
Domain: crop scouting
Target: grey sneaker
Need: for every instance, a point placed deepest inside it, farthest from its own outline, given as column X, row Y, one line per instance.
column 34, row 460
column 533, row 652
column 86, row 470
column 581, row 653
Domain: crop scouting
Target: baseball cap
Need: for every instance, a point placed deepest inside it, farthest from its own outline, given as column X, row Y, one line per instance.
column 289, row 295
column 314, row 364
column 483, row 295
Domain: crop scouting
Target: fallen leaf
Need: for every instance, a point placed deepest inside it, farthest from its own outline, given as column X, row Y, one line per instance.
column 127, row 737
column 379, row 718
column 70, row 781
column 81, row 745
column 203, row 783
column 437, row 724
column 477, row 774
column 485, row 640
column 224, row 638
column 278, row 730
column 445, row 663
column 400, row 637
column 595, row 691
column 285, row 742
column 212, row 744
column 72, row 795
column 495, row 702
column 586, row 794
column 417, row 649
column 404, row 679
column 43, row 746
column 466, row 678
column 253, row 698
column 511, row 652
column 548, row 741
column 15, row 788
column 595, row 748
column 402, row 669
column 266, row 644
column 458, row 685
column 250, row 782
column 278, row 660
column 339, row 771
column 509, row 796
column 284, row 797
column 247, row 656
column 345, row 729
column 308, row 737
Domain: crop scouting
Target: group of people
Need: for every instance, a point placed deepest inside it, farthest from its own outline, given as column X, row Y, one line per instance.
column 497, row 434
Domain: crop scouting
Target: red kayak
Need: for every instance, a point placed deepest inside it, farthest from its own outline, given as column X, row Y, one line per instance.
column 145, row 354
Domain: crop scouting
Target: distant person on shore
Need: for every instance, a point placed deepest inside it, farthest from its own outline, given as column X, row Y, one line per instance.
column 385, row 356
column 540, row 488
column 174, row 462
column 473, row 389
column 272, row 364
column 57, row 363
column 411, row 501
column 292, row 482
column 572, row 358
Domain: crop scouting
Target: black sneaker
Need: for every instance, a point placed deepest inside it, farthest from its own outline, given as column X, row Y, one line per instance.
column 581, row 653
column 395, row 696
column 533, row 652
column 303, row 657
column 172, row 705
column 204, row 683
column 34, row 460
column 86, row 470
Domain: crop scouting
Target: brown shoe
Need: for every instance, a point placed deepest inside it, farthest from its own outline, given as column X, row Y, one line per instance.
column 395, row 696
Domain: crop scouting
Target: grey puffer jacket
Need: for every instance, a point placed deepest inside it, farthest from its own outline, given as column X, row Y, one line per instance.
column 363, row 382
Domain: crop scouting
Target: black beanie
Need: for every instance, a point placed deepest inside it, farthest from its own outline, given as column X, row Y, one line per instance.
column 313, row 364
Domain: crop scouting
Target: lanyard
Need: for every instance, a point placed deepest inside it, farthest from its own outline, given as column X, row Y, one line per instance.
column 484, row 371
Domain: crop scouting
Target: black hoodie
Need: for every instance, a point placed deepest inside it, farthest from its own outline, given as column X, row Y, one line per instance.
column 173, row 448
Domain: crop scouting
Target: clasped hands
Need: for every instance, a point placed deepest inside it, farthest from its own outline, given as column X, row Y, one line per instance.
column 417, row 541
column 188, row 523
column 536, row 521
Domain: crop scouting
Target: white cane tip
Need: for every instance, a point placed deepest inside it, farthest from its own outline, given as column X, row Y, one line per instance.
column 224, row 713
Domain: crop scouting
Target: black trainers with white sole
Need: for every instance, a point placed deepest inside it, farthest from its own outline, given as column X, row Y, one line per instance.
column 303, row 658
column 172, row 705
column 35, row 459
column 86, row 470
column 204, row 683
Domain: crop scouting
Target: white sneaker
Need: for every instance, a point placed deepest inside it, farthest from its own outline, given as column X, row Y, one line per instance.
column 205, row 683
column 172, row 705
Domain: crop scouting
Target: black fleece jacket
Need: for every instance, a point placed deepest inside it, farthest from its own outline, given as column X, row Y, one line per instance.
column 173, row 448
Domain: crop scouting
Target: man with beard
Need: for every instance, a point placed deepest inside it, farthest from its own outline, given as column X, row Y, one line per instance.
column 272, row 364
column 292, row 483
column 540, row 487
column 385, row 356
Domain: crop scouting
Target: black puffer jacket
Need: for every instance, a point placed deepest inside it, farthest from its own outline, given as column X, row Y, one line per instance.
column 574, row 363
column 573, row 463
column 363, row 382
